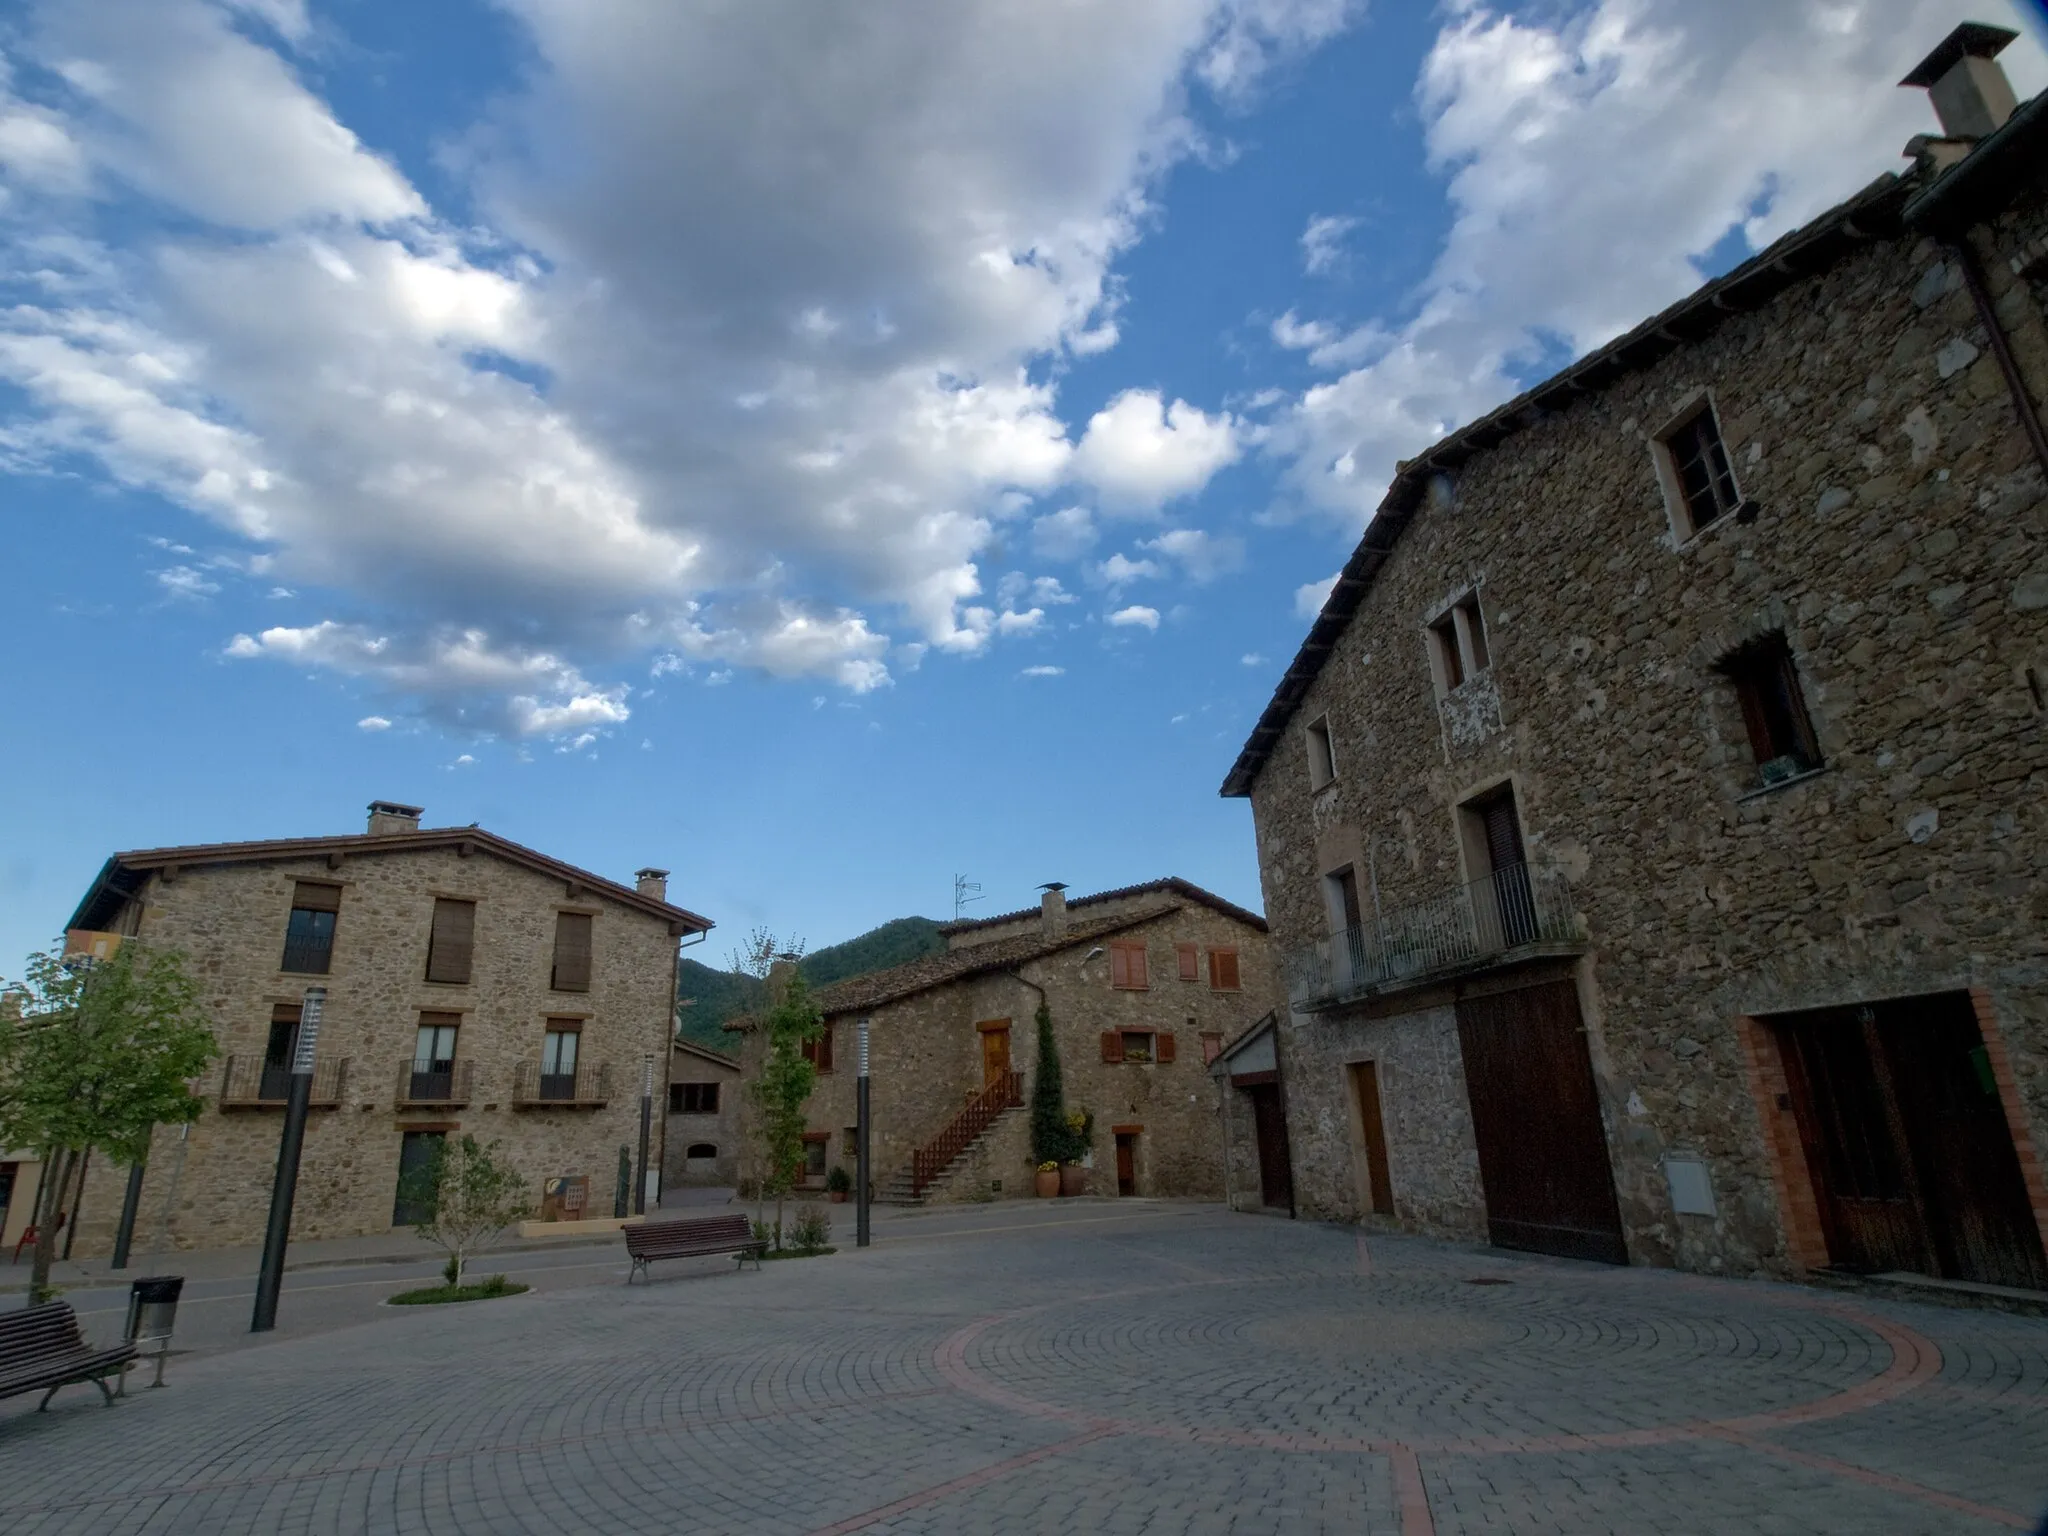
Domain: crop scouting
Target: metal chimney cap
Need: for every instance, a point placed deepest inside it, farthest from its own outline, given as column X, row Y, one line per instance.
column 1971, row 40
column 1054, row 885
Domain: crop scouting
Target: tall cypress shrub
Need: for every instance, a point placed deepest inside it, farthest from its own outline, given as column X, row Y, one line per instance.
column 1052, row 1140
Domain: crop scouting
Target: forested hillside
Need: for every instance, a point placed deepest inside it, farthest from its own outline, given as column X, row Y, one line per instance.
column 707, row 997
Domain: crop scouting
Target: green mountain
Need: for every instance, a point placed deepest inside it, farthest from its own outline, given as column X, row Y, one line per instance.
column 706, row 998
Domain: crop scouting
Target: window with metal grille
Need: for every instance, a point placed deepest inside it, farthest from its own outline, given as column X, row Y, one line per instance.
column 693, row 1098
column 1781, row 735
column 1699, row 460
column 558, row 1050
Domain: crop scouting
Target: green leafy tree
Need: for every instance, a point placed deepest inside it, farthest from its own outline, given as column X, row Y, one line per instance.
column 1052, row 1138
column 96, row 1055
column 784, row 1087
column 467, row 1198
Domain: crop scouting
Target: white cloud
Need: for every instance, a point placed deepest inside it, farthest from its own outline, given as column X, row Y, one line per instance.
column 1322, row 243
column 1043, row 672
column 181, row 581
column 587, row 422
column 1294, row 335
column 1203, row 556
column 1139, row 452
column 1252, row 659
column 1044, row 591
column 1310, row 596
column 1135, row 617
column 373, row 723
column 1592, row 154
column 1119, row 570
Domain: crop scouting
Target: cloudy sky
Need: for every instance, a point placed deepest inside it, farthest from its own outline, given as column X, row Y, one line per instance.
column 821, row 449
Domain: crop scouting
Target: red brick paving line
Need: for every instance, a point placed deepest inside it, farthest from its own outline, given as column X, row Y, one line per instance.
column 962, row 1484
column 1364, row 1259
column 1882, row 1480
column 1409, row 1493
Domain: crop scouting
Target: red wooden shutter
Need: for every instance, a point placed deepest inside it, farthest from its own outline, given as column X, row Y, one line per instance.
column 572, row 952
column 1119, row 968
column 1223, row 970
column 1190, row 961
column 1162, row 1048
column 451, row 941
column 1112, row 1046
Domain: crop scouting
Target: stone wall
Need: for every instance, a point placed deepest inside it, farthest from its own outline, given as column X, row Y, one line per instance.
column 720, row 1130
column 1902, row 548
column 229, row 920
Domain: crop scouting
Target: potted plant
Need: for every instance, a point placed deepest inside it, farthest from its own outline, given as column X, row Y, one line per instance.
column 838, row 1185
column 1048, row 1181
column 1081, row 1136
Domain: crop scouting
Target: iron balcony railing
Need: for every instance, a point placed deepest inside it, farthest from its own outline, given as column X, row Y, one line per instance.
column 436, row 1082
column 309, row 956
column 588, row 1087
column 251, row 1082
column 1515, row 908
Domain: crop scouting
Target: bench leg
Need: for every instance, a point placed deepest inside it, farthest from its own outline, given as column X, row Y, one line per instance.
column 101, row 1383
column 639, row 1268
column 44, row 1405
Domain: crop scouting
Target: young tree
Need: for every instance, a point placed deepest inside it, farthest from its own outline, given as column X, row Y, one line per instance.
column 96, row 1055
column 468, row 1197
column 784, row 1086
column 1052, row 1138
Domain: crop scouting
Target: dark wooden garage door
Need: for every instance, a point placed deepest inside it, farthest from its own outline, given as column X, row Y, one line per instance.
column 1536, row 1116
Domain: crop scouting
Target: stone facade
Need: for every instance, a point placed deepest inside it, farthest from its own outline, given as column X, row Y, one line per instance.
column 693, row 1070
column 209, row 1186
column 927, row 1051
column 1897, row 537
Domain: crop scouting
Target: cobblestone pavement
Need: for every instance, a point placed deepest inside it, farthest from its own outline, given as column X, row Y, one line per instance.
column 1138, row 1368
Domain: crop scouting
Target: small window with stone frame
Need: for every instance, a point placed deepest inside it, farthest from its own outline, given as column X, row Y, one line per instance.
column 1774, row 714
column 693, row 1098
column 1322, row 753
column 1458, row 638
column 1700, row 472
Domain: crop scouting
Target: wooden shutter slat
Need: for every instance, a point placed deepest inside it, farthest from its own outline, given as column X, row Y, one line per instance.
column 1190, row 961
column 572, row 952
column 1162, row 1047
column 1112, row 1047
column 1223, row 970
column 1140, row 977
column 452, row 941
column 310, row 897
column 1119, row 967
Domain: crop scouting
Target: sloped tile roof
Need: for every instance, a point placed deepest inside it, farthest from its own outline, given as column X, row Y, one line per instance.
column 1172, row 884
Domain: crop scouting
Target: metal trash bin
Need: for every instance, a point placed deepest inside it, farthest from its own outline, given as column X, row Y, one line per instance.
column 152, row 1313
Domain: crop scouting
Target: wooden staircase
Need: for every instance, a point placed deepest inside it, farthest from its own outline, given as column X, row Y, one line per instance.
column 930, row 1163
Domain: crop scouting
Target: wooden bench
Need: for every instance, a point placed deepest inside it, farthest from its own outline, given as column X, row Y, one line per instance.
column 691, row 1239
column 42, row 1347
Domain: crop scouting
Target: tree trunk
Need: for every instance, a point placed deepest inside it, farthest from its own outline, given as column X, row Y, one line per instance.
column 62, row 1163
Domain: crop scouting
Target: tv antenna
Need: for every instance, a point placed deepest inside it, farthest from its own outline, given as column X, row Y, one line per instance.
column 961, row 886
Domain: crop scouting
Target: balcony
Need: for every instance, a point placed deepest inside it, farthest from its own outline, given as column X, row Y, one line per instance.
column 250, row 1082
column 441, row 1084
column 1515, row 914
column 588, row 1087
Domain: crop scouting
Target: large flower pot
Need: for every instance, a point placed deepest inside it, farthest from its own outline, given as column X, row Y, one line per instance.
column 1048, row 1184
column 1073, row 1180
column 836, row 1196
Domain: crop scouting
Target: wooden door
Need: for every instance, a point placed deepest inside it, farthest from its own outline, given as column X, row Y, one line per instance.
column 1365, row 1078
column 1536, row 1118
column 1276, row 1169
column 1126, row 1163
column 995, row 1054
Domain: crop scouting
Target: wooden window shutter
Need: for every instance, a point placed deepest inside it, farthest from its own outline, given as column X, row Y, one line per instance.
column 825, row 1050
column 1162, row 1047
column 1119, row 968
column 1190, row 961
column 452, row 941
column 572, row 952
column 309, row 897
column 1223, row 970
column 1112, row 1047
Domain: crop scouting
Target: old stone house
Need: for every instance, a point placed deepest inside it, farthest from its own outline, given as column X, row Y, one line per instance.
column 472, row 985
column 1143, row 984
column 1654, row 823
column 702, row 1138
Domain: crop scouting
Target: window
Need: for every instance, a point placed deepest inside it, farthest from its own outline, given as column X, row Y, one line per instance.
column 1127, row 970
column 1503, row 901
column 1223, row 970
column 818, row 1052
column 1190, row 958
column 1340, row 896
column 433, row 1057
column 693, row 1098
column 814, row 1154
column 451, row 940
column 1773, row 709
column 571, row 971
column 277, row 1052
column 309, row 932
column 849, row 1141
column 1699, row 464
column 700, row 1151
column 1459, row 640
column 558, row 1059
column 1322, row 756
column 1137, row 1045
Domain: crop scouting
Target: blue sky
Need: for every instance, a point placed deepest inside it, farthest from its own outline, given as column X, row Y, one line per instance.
column 818, row 459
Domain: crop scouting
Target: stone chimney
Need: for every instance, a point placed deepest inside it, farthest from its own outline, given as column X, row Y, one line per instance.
column 652, row 882
column 1053, row 906
column 1971, row 94
column 387, row 816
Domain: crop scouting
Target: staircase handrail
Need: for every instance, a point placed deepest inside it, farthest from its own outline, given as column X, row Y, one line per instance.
column 937, row 1155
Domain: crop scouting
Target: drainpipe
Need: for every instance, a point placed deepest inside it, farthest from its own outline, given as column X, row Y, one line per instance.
column 1965, row 255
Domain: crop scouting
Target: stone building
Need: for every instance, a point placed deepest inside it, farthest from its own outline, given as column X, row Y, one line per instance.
column 701, row 1143
column 1654, row 824
column 1143, row 985
column 472, row 985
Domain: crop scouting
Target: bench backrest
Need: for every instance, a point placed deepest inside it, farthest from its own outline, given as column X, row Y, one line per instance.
column 30, row 1333
column 709, row 1229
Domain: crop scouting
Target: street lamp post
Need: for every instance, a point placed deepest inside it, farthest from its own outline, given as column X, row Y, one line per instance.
column 646, row 1128
column 131, row 1204
column 860, row 1218
column 270, row 1279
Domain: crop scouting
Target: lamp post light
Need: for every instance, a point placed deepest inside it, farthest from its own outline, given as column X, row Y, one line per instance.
column 646, row 1128
column 270, row 1279
column 860, row 1218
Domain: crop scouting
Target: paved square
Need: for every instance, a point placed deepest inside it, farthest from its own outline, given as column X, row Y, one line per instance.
column 1084, row 1367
